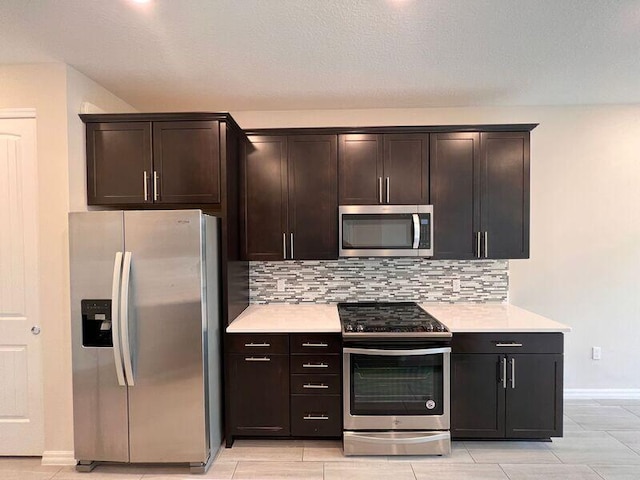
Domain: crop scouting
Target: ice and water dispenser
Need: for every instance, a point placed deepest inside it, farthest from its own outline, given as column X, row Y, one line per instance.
column 96, row 323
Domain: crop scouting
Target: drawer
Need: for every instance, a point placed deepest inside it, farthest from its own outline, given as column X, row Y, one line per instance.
column 316, row 415
column 507, row 343
column 313, row 343
column 257, row 343
column 320, row 364
column 314, row 384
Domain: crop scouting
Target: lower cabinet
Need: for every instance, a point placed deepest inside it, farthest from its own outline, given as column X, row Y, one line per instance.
column 506, row 385
column 281, row 385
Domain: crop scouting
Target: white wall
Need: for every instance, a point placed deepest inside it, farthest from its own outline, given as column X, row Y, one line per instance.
column 585, row 222
column 55, row 91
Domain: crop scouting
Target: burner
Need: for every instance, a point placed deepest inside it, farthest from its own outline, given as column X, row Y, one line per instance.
column 388, row 319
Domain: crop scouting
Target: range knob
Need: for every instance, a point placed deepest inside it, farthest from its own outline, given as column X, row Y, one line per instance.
column 348, row 327
column 360, row 328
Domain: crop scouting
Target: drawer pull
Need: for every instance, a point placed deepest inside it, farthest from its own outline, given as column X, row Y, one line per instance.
column 315, row 385
column 257, row 359
column 315, row 365
column 512, row 344
column 309, row 344
column 257, row 344
column 316, row 417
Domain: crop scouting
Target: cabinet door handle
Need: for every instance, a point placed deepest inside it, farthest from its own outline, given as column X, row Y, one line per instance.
column 513, row 372
column 511, row 344
column 504, row 372
column 257, row 344
column 315, row 385
column 309, row 344
column 257, row 359
column 379, row 189
column 291, row 251
column 146, row 186
column 315, row 365
column 284, row 245
column 388, row 182
column 316, row 417
column 486, row 244
column 478, row 252
column 155, row 185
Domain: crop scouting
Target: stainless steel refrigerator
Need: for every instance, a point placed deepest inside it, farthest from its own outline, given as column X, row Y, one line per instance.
column 145, row 330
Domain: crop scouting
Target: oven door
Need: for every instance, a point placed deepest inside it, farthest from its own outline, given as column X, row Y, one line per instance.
column 387, row 389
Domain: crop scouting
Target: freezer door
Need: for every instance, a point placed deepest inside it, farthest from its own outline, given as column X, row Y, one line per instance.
column 101, row 430
column 165, row 310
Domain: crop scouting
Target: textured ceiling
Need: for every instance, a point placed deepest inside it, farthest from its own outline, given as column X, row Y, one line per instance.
column 308, row 54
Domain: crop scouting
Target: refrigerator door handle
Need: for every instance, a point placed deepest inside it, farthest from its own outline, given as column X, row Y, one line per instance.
column 115, row 318
column 124, row 315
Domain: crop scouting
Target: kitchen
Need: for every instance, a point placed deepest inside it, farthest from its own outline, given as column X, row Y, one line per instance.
column 561, row 280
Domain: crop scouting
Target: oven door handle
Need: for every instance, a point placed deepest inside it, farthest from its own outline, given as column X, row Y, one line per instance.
column 397, row 353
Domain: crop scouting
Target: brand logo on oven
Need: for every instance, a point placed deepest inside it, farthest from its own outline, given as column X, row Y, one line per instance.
column 396, row 423
column 430, row 404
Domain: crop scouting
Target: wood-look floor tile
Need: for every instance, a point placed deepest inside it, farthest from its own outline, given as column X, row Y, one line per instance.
column 474, row 471
column 511, row 452
column 459, row 454
column 630, row 438
column 550, row 472
column 593, row 448
column 618, row 472
column 262, row 454
column 279, row 471
column 368, row 471
column 603, row 417
column 26, row 464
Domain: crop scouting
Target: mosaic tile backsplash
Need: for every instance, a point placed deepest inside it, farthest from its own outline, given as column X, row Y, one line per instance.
column 376, row 279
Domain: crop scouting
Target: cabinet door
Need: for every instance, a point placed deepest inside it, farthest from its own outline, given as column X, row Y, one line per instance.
column 360, row 169
column 313, row 197
column 186, row 160
column 534, row 396
column 477, row 396
column 264, row 193
column 118, row 157
column 406, row 169
column 505, row 194
column 259, row 395
column 454, row 194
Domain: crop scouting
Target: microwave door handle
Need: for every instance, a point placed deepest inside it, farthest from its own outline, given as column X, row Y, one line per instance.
column 416, row 231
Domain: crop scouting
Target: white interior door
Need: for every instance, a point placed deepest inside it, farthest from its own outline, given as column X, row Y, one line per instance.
column 21, row 408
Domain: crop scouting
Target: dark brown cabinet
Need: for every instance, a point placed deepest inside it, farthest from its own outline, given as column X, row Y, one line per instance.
column 316, row 403
column 283, row 385
column 383, row 168
column 258, row 383
column 506, row 385
column 480, row 194
column 289, row 190
column 164, row 162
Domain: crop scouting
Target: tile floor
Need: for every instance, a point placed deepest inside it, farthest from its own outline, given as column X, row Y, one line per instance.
column 601, row 442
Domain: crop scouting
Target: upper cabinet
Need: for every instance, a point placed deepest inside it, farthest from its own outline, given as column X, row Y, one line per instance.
column 142, row 159
column 390, row 168
column 480, row 194
column 289, row 194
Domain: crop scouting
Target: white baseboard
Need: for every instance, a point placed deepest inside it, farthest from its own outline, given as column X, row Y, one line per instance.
column 604, row 393
column 56, row 457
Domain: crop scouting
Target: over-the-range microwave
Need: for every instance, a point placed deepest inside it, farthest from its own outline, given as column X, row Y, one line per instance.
column 386, row 230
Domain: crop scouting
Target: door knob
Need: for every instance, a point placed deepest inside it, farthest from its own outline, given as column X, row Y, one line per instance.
column 35, row 329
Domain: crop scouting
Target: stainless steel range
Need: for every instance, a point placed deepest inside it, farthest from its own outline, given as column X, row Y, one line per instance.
column 396, row 365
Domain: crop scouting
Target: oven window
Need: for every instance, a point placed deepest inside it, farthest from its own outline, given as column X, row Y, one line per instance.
column 370, row 231
column 397, row 385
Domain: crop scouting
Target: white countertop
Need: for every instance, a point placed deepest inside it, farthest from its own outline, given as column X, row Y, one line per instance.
column 491, row 317
column 287, row 318
column 458, row 317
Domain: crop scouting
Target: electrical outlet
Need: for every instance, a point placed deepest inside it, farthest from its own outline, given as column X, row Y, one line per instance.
column 455, row 285
column 596, row 353
column 280, row 285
